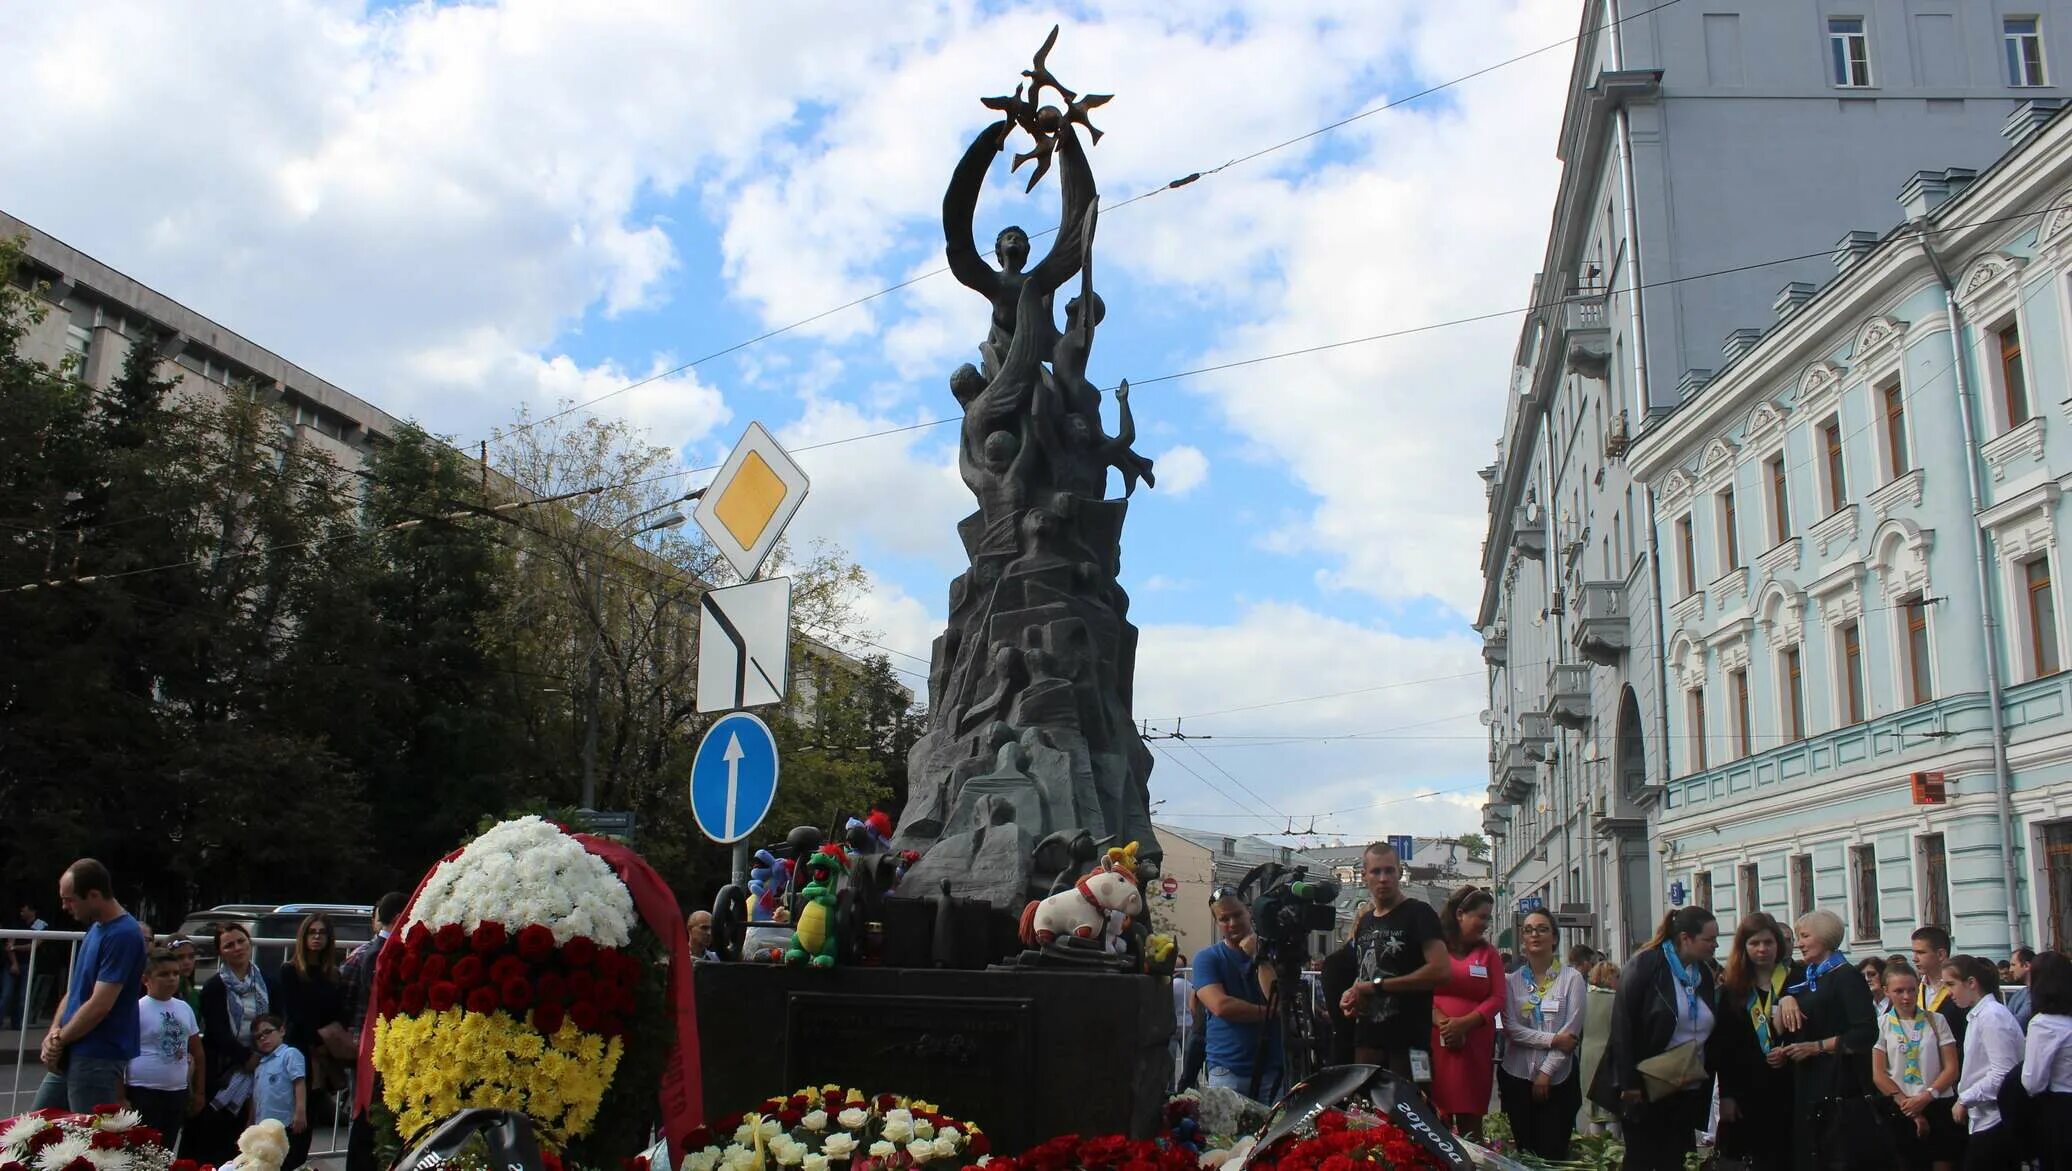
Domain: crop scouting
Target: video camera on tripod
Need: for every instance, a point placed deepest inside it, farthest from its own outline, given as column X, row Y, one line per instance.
column 1288, row 907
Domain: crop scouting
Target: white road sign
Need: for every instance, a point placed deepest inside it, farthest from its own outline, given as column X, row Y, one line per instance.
column 744, row 645
column 751, row 500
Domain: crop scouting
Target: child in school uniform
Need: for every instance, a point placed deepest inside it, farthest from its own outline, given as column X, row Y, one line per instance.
column 280, row 1087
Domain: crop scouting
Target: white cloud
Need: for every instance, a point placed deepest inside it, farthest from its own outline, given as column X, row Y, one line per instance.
column 1394, row 717
column 1181, row 470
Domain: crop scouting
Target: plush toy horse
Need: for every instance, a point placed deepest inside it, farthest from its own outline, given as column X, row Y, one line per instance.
column 766, row 883
column 813, row 938
column 1097, row 909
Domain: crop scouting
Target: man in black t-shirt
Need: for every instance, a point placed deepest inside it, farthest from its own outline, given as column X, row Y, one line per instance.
column 1400, row 955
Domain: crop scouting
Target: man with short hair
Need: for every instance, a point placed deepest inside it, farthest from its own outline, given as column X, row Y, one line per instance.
column 1931, row 953
column 90, row 1043
column 359, row 999
column 1242, row 1046
column 2015, row 990
column 700, row 927
column 1402, row 957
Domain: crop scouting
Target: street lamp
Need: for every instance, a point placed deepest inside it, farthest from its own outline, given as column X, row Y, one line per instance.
column 596, row 635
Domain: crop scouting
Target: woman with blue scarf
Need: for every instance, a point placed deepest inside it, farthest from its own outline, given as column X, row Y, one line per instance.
column 1657, row 1069
column 1826, row 1020
column 231, row 1001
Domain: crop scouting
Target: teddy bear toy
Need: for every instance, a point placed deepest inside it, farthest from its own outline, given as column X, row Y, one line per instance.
column 262, row 1147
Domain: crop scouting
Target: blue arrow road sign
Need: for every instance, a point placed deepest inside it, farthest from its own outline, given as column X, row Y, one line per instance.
column 734, row 777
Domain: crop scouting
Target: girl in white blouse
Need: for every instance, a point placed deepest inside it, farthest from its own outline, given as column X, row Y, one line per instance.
column 2047, row 1059
column 1537, row 1080
column 1916, row 1065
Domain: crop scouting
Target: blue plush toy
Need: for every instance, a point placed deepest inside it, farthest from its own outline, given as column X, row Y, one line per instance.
column 766, row 884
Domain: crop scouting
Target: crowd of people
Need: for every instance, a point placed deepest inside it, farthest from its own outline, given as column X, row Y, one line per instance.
column 1926, row 1061
column 199, row 1063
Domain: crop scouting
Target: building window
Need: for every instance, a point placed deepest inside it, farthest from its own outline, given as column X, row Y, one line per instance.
column 1701, row 888
column 1863, row 889
column 1697, row 709
column 1737, row 689
column 1837, row 471
column 2014, row 385
column 79, row 343
column 1750, row 888
column 1920, row 667
column 1896, row 431
column 1730, row 535
column 1849, row 51
column 1801, row 885
column 1849, row 641
column 2043, row 618
column 1794, row 697
column 1935, row 882
column 1686, row 557
column 2023, row 37
column 1780, row 501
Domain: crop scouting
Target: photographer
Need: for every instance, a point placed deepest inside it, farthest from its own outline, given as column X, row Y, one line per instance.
column 1401, row 955
column 1241, row 1039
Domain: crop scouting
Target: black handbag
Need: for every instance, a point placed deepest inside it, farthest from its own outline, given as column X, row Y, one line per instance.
column 1853, row 1134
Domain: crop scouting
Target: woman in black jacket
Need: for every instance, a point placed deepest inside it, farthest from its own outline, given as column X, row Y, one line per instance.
column 235, row 996
column 1829, row 1026
column 1754, row 1078
column 1664, row 1003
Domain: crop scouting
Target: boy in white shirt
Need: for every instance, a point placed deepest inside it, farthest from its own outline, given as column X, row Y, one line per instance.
column 165, row 1077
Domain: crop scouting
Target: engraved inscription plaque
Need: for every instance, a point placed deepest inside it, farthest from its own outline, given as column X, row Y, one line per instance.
column 975, row 1058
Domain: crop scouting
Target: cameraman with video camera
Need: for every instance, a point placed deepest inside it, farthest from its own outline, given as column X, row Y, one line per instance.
column 1242, row 1041
column 1401, row 956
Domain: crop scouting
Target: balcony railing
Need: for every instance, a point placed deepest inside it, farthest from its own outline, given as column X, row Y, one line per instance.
column 1601, row 632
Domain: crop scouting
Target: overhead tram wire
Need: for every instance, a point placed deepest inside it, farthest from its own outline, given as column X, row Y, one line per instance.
column 1186, row 180
column 1323, row 347
column 1651, row 285
column 1218, row 789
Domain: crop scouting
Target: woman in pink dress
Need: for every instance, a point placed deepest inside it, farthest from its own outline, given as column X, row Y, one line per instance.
column 1464, row 1013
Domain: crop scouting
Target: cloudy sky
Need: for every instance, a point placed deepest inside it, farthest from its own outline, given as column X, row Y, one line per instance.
column 454, row 211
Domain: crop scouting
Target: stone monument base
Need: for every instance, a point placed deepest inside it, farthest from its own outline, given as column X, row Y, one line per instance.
column 1024, row 1054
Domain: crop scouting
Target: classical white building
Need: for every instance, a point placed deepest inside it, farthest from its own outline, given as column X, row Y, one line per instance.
column 1712, row 157
column 1859, row 517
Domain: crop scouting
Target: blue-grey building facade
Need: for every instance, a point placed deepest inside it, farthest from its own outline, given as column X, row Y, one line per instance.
column 1715, row 159
column 1859, row 520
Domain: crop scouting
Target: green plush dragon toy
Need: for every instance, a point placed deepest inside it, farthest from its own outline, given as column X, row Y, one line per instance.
column 813, row 938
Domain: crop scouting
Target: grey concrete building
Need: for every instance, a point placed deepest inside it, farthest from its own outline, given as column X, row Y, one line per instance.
column 1715, row 158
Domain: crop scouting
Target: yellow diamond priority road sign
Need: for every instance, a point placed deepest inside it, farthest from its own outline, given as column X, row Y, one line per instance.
column 751, row 500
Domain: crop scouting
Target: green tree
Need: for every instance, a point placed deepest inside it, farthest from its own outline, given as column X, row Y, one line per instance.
column 1476, row 845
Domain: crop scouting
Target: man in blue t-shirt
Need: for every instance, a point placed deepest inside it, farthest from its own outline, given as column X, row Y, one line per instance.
column 1235, row 991
column 90, row 1044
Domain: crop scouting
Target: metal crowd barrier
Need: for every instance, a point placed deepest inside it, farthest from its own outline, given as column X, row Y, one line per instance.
column 34, row 997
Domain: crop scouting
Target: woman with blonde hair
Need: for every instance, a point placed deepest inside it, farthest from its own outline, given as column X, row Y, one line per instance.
column 1754, row 1090
column 1824, row 1015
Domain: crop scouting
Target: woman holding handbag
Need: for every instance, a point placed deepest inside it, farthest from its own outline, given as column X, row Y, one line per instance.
column 1829, row 1027
column 1754, row 1079
column 1657, row 1071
